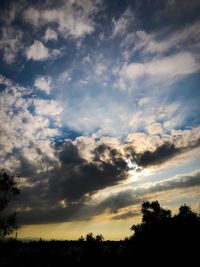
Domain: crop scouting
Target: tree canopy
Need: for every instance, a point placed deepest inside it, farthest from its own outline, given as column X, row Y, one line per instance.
column 158, row 223
column 8, row 189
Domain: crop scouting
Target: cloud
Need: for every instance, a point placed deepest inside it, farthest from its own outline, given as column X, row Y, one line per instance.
column 78, row 177
column 43, row 84
column 155, row 128
column 74, row 171
column 124, row 203
column 72, row 181
column 141, row 141
column 19, row 121
column 152, row 43
column 160, row 155
column 72, row 18
column 115, row 203
column 10, row 43
column 178, row 182
column 153, row 150
column 32, row 16
column 47, row 107
column 167, row 70
column 37, row 51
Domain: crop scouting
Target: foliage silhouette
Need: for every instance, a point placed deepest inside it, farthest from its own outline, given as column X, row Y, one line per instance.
column 8, row 189
column 158, row 223
column 99, row 238
column 90, row 238
column 154, row 220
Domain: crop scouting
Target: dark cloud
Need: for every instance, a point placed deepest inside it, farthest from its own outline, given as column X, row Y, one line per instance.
column 47, row 210
column 160, row 155
column 70, row 155
column 120, row 200
column 77, row 177
column 52, row 215
column 74, row 180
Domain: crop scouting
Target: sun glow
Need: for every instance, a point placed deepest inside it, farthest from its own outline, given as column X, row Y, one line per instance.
column 136, row 173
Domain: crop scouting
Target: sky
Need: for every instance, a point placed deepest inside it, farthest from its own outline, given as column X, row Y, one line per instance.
column 99, row 111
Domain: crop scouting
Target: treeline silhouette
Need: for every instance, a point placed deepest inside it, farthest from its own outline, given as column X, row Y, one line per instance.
column 159, row 240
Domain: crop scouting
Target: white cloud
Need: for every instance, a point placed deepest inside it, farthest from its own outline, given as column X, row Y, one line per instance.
column 50, row 35
column 154, row 43
column 47, row 107
column 142, row 141
column 150, row 141
column 37, row 51
column 32, row 15
column 174, row 66
column 166, row 69
column 43, row 84
column 155, row 128
column 157, row 43
column 27, row 132
column 73, row 18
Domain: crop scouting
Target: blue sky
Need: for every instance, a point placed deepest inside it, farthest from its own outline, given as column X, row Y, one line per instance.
column 99, row 109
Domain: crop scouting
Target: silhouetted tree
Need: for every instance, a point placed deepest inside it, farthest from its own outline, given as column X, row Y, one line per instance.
column 8, row 188
column 186, row 224
column 158, row 224
column 99, row 238
column 90, row 237
column 154, row 219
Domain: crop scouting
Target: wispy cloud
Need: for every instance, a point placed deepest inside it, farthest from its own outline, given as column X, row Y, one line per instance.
column 167, row 70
